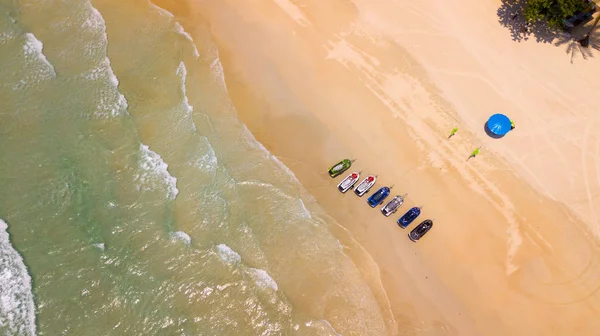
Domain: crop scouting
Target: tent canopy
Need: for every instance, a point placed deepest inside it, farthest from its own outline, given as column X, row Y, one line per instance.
column 499, row 124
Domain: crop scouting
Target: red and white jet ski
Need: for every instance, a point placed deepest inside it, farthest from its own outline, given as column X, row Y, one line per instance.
column 364, row 186
column 348, row 182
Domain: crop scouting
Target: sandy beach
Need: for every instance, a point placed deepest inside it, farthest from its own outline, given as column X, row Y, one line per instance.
column 513, row 249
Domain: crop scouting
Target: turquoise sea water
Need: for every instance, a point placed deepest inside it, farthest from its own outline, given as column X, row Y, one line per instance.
column 134, row 202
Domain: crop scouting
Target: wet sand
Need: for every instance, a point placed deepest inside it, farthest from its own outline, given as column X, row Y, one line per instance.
column 512, row 250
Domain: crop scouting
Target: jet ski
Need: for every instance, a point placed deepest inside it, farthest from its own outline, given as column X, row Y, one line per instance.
column 364, row 186
column 339, row 167
column 420, row 230
column 409, row 217
column 392, row 206
column 348, row 182
column 378, row 197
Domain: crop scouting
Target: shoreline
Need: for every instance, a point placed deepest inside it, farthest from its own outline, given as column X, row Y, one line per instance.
column 303, row 89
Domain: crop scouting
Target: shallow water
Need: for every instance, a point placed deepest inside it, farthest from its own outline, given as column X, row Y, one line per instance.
column 137, row 203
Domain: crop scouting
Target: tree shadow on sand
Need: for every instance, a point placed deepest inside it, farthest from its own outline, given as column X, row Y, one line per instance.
column 510, row 16
column 580, row 46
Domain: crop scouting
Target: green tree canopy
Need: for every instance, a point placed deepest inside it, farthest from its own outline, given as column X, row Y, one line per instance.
column 552, row 11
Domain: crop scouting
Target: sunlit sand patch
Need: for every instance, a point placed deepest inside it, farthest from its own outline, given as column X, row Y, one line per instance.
column 401, row 99
column 293, row 11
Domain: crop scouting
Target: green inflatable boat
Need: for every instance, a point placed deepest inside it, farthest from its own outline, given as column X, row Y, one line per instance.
column 340, row 167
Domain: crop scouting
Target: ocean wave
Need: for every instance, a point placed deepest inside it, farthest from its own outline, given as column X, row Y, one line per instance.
column 110, row 102
column 248, row 138
column 297, row 203
column 187, row 108
column 161, row 10
column 323, row 326
column 35, row 69
column 207, row 159
column 91, row 39
column 218, row 73
column 154, row 173
column 33, row 49
column 91, row 48
column 8, row 29
column 7, row 36
column 181, row 236
column 262, row 279
column 95, row 22
column 265, row 185
column 179, row 29
column 99, row 246
column 17, row 308
column 92, row 23
column 228, row 255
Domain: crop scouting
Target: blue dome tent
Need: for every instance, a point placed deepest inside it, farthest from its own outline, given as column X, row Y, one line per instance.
column 498, row 125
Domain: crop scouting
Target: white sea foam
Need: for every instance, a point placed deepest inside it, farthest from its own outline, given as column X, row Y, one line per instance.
column 304, row 213
column 178, row 27
column 228, row 255
column 185, row 34
column 271, row 187
column 161, row 10
column 207, row 161
column 94, row 27
column 8, row 30
column 17, row 309
column 110, row 102
column 187, row 108
column 181, row 236
column 5, row 37
column 154, row 173
column 217, row 71
column 262, row 278
column 33, row 48
column 99, row 246
column 36, row 68
column 252, row 142
column 323, row 326
column 301, row 210
column 95, row 22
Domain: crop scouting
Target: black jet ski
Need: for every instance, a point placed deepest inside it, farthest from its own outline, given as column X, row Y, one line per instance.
column 420, row 230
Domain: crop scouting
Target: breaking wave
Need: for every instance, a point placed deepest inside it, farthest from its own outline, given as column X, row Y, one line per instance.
column 17, row 308
column 154, row 173
column 261, row 278
column 206, row 160
column 179, row 29
column 181, row 236
column 228, row 255
column 110, row 101
column 32, row 66
column 186, row 107
column 33, row 52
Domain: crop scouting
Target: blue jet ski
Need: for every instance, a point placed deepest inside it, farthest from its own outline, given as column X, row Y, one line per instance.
column 378, row 197
column 409, row 217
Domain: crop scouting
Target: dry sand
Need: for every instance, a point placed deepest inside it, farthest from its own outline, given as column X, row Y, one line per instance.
column 513, row 250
